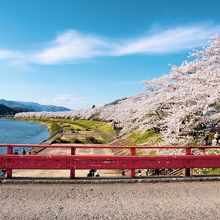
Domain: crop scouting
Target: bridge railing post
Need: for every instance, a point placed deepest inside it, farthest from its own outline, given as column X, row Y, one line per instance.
column 72, row 171
column 188, row 152
column 133, row 153
column 9, row 171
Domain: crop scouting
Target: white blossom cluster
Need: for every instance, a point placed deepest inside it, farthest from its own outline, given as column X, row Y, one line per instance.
column 175, row 103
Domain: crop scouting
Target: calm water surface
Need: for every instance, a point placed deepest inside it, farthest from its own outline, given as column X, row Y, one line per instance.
column 19, row 132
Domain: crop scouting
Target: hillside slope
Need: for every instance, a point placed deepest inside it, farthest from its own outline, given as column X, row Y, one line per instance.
column 33, row 106
column 183, row 105
column 5, row 110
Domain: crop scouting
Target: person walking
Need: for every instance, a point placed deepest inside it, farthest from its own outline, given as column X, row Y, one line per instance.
column 89, row 173
column 16, row 152
column 123, row 173
column 3, row 173
column 139, row 173
column 146, row 172
column 97, row 174
column 23, row 151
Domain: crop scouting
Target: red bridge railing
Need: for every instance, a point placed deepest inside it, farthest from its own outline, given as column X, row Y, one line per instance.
column 185, row 160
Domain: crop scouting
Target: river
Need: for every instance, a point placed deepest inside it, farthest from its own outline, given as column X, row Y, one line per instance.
column 19, row 132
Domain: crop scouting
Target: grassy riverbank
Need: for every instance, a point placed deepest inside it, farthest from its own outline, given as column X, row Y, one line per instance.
column 96, row 132
column 77, row 131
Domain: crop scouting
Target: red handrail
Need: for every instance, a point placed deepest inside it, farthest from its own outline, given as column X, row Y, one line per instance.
column 102, row 146
column 132, row 162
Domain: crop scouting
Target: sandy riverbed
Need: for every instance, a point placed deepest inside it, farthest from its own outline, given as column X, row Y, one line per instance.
column 195, row 200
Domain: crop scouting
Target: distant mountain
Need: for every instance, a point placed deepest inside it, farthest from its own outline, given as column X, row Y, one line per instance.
column 32, row 106
column 5, row 110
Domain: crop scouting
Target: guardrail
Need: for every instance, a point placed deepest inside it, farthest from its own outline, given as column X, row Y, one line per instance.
column 187, row 161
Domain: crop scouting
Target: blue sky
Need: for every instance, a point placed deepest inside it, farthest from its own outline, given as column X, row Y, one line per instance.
column 77, row 53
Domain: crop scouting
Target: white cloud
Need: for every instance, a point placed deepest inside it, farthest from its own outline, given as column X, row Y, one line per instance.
column 68, row 100
column 73, row 46
column 10, row 55
column 4, row 54
column 169, row 41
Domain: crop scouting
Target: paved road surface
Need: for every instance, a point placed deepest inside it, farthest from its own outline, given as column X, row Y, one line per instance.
column 195, row 200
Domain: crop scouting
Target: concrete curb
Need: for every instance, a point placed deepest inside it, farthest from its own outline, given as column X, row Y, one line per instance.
column 109, row 180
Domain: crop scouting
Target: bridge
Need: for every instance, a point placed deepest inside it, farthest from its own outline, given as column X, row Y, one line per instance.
column 185, row 159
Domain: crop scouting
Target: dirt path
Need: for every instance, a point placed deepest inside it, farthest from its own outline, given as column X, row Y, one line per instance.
column 104, row 135
column 48, row 142
column 66, row 173
column 195, row 200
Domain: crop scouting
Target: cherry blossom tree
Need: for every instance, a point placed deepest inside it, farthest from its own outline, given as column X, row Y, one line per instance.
column 176, row 103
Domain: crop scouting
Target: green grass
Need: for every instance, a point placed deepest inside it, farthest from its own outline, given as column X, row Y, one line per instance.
column 136, row 138
column 77, row 127
column 153, row 153
column 148, row 138
column 208, row 171
column 69, row 126
column 80, row 124
column 193, row 143
column 103, row 126
column 214, row 171
column 87, row 140
column 54, row 128
column 72, row 127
